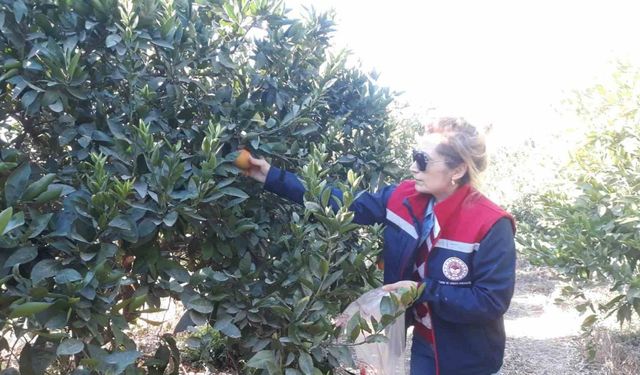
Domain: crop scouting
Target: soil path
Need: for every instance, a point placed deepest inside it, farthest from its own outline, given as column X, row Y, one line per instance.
column 543, row 337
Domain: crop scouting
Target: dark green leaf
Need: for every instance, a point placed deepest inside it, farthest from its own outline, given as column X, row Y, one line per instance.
column 112, row 40
column 56, row 106
column 146, row 228
column 261, row 359
column 333, row 278
column 19, row 10
column 51, row 194
column 122, row 222
column 69, row 347
column 226, row 61
column 311, row 128
column 16, row 221
column 34, row 360
column 184, row 323
column 38, row 224
column 121, row 360
column 44, row 269
column 386, row 306
column 22, row 255
column 29, row 97
column 162, row 43
column 76, row 92
column 235, row 192
column 67, row 275
column 28, row 309
column 170, row 218
column 306, row 363
column 17, row 183
column 7, row 166
column 141, row 188
column 200, row 305
column 178, row 272
column 219, row 276
column 227, row 327
column 38, row 187
column 353, row 327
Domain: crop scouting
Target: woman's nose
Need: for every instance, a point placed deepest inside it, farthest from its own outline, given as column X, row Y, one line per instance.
column 414, row 168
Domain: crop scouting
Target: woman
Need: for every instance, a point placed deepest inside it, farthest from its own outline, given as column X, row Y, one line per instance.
column 440, row 233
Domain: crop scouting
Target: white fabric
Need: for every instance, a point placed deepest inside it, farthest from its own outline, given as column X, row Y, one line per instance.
column 463, row 247
column 382, row 358
column 436, row 226
column 402, row 223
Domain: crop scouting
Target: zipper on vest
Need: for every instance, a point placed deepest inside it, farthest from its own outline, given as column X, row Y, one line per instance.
column 418, row 227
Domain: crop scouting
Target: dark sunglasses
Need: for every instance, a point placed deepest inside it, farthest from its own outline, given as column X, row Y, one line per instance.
column 422, row 159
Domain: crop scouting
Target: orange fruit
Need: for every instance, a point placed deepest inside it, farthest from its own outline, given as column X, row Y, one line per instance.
column 242, row 161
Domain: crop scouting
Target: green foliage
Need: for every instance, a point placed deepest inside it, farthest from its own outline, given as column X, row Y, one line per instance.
column 589, row 229
column 119, row 122
column 315, row 263
column 206, row 347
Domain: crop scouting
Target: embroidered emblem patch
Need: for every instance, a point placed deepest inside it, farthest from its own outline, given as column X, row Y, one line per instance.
column 455, row 269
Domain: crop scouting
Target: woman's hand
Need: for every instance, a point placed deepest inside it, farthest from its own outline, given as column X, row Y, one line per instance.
column 402, row 284
column 258, row 169
column 406, row 290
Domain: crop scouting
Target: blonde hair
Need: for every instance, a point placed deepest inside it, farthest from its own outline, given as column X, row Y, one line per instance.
column 462, row 143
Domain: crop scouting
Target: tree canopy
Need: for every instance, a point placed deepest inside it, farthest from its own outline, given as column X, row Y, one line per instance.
column 119, row 124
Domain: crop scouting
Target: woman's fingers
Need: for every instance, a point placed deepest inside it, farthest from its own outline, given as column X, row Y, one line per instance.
column 258, row 169
column 260, row 163
column 406, row 284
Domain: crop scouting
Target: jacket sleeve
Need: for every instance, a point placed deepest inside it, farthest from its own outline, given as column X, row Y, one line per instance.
column 368, row 208
column 488, row 297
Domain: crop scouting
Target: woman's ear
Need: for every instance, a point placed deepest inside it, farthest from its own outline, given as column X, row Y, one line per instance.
column 459, row 172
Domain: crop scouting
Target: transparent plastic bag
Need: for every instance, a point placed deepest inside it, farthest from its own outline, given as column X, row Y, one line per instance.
column 378, row 358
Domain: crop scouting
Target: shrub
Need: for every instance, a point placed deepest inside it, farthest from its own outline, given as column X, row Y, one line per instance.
column 588, row 225
column 119, row 124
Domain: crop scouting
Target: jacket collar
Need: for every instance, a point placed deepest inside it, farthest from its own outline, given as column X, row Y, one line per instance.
column 418, row 201
column 445, row 209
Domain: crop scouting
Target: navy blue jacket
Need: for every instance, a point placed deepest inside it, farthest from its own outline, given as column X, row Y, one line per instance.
column 471, row 268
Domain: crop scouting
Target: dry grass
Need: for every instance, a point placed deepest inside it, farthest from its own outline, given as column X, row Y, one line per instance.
column 618, row 352
column 543, row 337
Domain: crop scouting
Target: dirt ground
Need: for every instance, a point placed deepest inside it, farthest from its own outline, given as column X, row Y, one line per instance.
column 543, row 337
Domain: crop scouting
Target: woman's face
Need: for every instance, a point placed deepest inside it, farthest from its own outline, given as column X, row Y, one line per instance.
column 437, row 178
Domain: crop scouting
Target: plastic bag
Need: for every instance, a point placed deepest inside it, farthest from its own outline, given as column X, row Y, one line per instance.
column 378, row 358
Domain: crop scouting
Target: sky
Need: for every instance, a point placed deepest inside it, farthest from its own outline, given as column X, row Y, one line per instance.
column 506, row 63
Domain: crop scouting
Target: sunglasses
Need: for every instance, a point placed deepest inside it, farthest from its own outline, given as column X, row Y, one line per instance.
column 423, row 160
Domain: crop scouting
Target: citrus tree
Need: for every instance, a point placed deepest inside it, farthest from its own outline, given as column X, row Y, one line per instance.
column 119, row 124
column 588, row 224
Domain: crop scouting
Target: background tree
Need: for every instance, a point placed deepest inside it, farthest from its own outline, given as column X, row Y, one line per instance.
column 119, row 124
column 587, row 223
